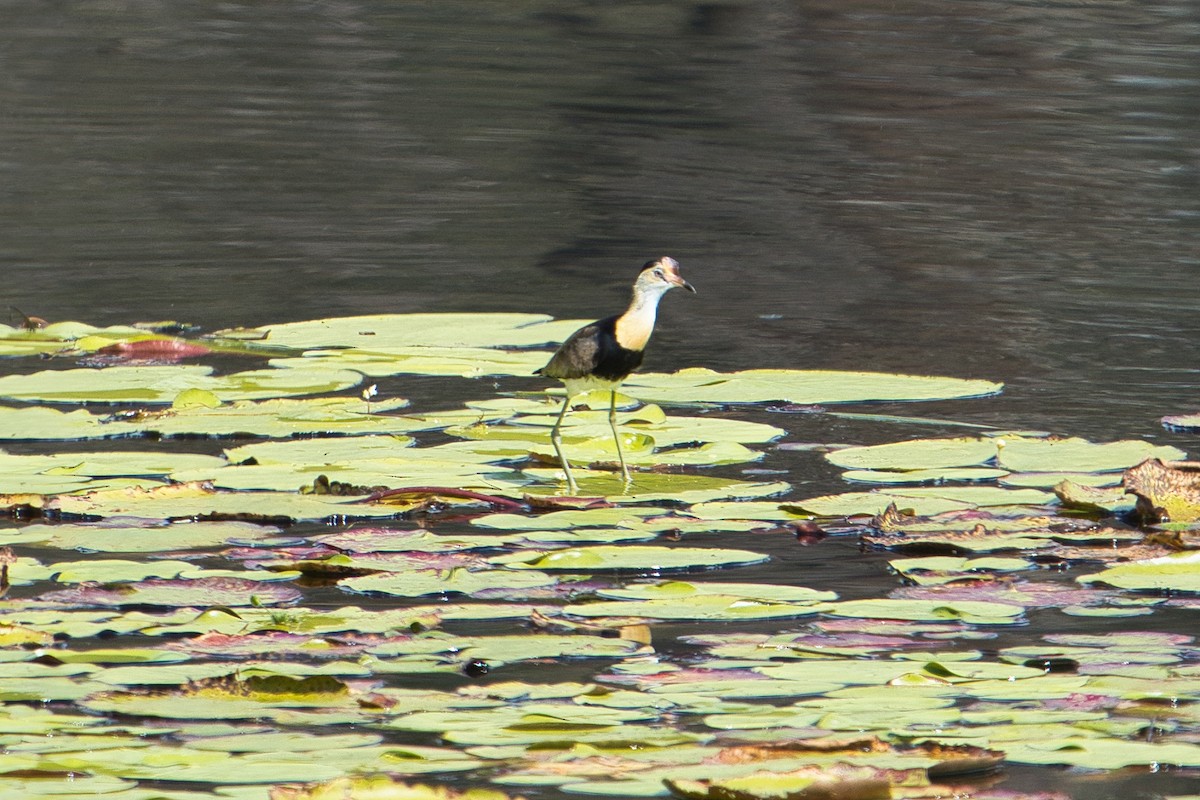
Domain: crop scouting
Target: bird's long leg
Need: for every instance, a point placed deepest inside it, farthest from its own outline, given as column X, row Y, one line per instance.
column 612, row 422
column 556, row 440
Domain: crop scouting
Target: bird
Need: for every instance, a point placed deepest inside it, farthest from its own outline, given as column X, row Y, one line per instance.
column 603, row 354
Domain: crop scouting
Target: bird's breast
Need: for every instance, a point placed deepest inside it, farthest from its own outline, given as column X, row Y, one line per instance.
column 633, row 328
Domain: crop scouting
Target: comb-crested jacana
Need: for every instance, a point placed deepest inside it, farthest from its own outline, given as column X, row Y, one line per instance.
column 601, row 355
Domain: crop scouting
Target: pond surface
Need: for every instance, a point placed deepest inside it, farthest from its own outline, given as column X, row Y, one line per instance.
column 1005, row 191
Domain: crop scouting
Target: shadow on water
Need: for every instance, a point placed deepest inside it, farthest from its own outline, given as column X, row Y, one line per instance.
column 1008, row 191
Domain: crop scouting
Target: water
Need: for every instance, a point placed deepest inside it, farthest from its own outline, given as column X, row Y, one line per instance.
column 980, row 189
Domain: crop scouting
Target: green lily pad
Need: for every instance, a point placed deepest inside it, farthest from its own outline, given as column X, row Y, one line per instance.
column 510, row 649
column 419, row 330
column 691, row 386
column 698, row 607
column 936, row 570
column 928, row 610
column 161, row 384
column 197, row 501
column 916, row 476
column 1182, row 422
column 566, row 520
column 651, row 487
column 165, row 592
column 642, row 558
column 98, row 538
column 1093, row 753
column 455, row 581
column 1078, row 455
column 280, row 417
column 466, row 362
column 682, row 590
column 1179, row 572
column 921, row 501
column 919, row 454
column 1048, row 480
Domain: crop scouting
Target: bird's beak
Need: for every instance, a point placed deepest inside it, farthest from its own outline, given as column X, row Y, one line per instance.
column 682, row 284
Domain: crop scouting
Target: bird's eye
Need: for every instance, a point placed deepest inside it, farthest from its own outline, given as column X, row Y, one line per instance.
column 658, row 273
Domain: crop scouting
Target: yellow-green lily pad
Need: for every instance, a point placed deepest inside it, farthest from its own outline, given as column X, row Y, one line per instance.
column 1178, row 572
column 918, row 454
column 162, row 384
column 644, row 558
column 1020, row 454
column 698, row 385
column 418, row 330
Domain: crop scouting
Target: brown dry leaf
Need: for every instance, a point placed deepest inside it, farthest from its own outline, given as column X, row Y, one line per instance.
column 1175, row 540
column 892, row 519
column 1166, row 491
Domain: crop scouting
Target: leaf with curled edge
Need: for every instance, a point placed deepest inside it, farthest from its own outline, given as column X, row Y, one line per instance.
column 1166, row 491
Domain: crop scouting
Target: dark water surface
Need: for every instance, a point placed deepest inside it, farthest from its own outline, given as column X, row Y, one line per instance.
column 994, row 190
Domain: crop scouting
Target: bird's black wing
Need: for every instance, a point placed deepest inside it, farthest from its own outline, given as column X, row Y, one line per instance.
column 580, row 353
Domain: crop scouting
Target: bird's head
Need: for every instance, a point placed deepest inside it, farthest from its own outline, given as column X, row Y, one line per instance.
column 660, row 276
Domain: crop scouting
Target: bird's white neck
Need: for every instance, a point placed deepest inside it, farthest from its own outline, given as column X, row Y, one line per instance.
column 634, row 327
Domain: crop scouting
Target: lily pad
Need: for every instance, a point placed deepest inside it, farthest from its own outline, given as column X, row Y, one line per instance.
column 699, row 607
column 919, row 454
column 160, row 592
column 419, row 330
column 193, row 501
column 681, row 590
column 161, row 384
column 456, row 581
column 466, row 362
column 1020, row 454
column 98, row 538
column 641, row 558
column 697, row 385
column 1179, row 572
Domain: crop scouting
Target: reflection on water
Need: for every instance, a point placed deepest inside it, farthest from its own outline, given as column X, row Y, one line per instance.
column 983, row 189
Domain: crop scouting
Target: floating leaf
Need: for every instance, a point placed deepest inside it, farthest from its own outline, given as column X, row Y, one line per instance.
column 936, row 475
column 944, row 569
column 197, row 501
column 642, row 558
column 466, row 362
column 1178, row 572
column 699, row 607
column 918, row 454
column 1021, row 454
column 1182, row 422
column 1092, row 753
column 682, row 590
column 1165, row 492
column 424, row 330
column 697, row 385
column 919, row 500
column 455, row 581
column 162, row 384
column 198, row 592
column 929, row 610
column 104, row 538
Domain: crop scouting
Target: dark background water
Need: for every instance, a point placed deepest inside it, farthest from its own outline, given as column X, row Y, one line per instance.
column 983, row 189
column 1000, row 190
